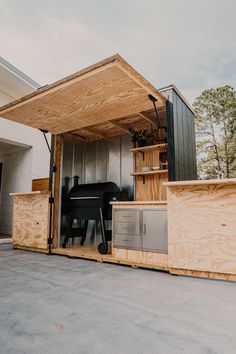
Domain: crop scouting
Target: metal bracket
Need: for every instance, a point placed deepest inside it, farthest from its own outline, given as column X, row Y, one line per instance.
column 142, row 152
column 153, row 100
column 54, row 168
column 51, row 200
column 49, row 240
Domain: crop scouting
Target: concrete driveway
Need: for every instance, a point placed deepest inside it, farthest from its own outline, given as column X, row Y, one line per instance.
column 53, row 304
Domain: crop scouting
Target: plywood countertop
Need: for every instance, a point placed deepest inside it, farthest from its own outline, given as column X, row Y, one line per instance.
column 226, row 181
column 29, row 193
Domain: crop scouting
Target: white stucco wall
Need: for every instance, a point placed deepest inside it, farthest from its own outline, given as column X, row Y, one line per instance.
column 16, row 177
column 14, row 132
column 26, row 162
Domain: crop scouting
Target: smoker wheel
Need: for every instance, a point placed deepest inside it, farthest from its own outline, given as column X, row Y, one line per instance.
column 102, row 248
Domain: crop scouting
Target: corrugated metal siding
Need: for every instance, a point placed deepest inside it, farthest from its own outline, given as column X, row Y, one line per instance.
column 100, row 161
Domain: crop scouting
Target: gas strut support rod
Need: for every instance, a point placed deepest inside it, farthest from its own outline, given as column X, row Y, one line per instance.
column 153, row 99
column 53, row 169
column 49, row 149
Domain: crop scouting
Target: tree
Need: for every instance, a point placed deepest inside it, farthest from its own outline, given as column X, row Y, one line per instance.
column 215, row 111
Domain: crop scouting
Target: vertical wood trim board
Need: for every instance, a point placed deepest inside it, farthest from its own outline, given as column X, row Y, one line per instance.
column 56, row 189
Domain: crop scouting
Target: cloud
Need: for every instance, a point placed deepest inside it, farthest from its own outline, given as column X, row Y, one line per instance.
column 186, row 42
column 54, row 49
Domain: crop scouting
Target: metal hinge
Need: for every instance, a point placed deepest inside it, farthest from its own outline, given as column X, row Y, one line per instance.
column 49, row 241
column 51, row 200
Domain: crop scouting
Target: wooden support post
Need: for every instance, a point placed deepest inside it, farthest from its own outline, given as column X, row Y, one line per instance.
column 56, row 188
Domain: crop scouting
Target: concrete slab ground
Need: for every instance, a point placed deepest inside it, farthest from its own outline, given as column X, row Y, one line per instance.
column 53, row 304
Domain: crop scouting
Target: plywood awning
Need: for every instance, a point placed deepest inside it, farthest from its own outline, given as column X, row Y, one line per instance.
column 101, row 93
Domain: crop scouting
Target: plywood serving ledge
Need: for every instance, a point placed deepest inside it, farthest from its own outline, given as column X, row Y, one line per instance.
column 202, row 228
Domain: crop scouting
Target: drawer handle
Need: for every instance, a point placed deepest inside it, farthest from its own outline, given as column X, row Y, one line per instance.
column 144, row 229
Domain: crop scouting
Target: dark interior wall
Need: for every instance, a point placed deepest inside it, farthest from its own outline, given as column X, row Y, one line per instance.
column 181, row 138
column 100, row 161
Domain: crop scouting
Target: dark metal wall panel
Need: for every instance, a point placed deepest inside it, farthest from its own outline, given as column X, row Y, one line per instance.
column 170, row 141
column 181, row 138
column 101, row 161
column 127, row 181
column 114, row 160
column 184, row 135
column 78, row 161
column 90, row 163
column 67, row 166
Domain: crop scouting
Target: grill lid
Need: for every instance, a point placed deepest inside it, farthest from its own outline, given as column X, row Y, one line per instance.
column 92, row 190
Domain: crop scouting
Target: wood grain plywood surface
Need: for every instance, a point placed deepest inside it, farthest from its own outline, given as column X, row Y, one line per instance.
column 150, row 186
column 40, row 184
column 202, row 227
column 91, row 253
column 107, row 90
column 30, row 220
column 159, row 259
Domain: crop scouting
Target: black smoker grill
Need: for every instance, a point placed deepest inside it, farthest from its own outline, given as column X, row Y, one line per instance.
column 92, row 202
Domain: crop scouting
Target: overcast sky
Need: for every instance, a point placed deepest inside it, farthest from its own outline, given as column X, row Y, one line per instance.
column 189, row 43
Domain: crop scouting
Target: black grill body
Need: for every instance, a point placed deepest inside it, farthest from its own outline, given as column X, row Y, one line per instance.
column 92, row 202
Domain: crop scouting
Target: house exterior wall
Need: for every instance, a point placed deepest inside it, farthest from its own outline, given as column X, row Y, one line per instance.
column 14, row 132
column 16, row 176
column 30, row 160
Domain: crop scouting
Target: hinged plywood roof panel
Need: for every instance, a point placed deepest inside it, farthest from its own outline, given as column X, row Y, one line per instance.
column 100, row 93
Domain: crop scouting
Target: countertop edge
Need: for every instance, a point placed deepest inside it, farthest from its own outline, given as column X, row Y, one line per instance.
column 29, row 193
column 149, row 202
column 228, row 181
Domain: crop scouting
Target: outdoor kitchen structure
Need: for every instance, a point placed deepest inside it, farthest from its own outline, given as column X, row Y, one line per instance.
column 123, row 176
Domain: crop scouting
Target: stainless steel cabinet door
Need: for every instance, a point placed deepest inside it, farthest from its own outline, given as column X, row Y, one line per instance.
column 155, row 230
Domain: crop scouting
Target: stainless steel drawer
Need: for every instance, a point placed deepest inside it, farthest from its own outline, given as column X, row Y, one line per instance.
column 127, row 241
column 127, row 228
column 127, row 216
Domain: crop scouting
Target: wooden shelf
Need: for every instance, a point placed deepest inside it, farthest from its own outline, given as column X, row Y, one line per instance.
column 149, row 173
column 148, row 148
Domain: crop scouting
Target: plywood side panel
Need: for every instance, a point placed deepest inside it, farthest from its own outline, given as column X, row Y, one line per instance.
column 151, row 186
column 202, row 274
column 30, row 220
column 202, row 227
column 141, row 256
column 91, row 253
column 149, row 190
